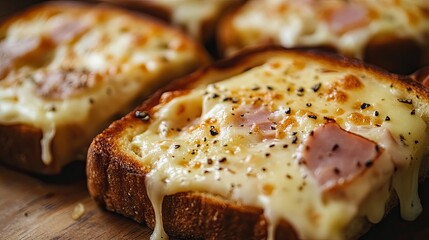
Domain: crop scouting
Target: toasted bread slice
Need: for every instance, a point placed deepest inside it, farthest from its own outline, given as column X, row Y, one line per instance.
column 390, row 34
column 69, row 69
column 273, row 143
column 197, row 18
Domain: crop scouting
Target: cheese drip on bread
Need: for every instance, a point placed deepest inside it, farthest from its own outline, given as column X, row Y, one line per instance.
column 73, row 65
column 244, row 138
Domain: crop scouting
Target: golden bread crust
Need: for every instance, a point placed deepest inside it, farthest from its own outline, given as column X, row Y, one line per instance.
column 59, row 80
column 116, row 178
column 398, row 52
column 12, row 140
column 116, row 184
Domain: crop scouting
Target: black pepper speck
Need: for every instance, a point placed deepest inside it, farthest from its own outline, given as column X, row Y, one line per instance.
column 213, row 131
column 406, row 101
column 143, row 115
column 316, row 87
column 364, row 105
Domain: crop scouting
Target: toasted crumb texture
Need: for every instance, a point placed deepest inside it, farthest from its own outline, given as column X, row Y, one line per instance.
column 78, row 211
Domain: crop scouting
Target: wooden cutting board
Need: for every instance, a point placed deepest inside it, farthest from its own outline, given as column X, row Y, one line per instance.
column 41, row 208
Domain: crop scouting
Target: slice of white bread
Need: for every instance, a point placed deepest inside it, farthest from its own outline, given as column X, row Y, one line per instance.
column 68, row 69
column 390, row 34
column 273, row 143
column 198, row 18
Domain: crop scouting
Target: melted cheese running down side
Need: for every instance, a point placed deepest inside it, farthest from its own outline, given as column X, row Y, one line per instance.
column 76, row 65
column 241, row 138
column 345, row 25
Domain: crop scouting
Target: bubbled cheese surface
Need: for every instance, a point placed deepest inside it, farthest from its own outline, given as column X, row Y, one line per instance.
column 345, row 25
column 206, row 140
column 77, row 65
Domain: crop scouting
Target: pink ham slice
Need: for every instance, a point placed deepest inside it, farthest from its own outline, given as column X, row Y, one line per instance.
column 257, row 119
column 67, row 31
column 20, row 47
column 62, row 84
column 34, row 49
column 335, row 157
column 421, row 75
column 425, row 81
column 348, row 17
column 13, row 52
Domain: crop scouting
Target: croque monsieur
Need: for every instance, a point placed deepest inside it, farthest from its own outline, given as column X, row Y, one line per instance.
column 271, row 144
column 68, row 69
column 393, row 34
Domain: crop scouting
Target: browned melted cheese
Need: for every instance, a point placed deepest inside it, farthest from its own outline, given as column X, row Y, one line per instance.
column 78, row 65
column 245, row 138
column 345, row 25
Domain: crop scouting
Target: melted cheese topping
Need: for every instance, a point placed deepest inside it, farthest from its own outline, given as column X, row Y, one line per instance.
column 214, row 139
column 81, row 65
column 345, row 25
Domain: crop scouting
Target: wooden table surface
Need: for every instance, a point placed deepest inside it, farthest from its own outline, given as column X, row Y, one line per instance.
column 41, row 208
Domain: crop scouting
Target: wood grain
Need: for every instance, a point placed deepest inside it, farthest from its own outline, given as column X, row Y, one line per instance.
column 33, row 207
column 39, row 208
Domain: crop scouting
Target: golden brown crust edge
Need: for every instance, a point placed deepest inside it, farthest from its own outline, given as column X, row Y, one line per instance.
column 117, row 183
column 12, row 140
column 116, row 180
column 401, row 55
column 20, row 146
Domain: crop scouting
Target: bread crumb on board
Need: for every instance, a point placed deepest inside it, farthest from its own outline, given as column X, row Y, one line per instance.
column 78, row 211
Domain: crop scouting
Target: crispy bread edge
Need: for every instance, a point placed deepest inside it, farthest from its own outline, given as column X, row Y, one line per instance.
column 21, row 148
column 398, row 54
column 13, row 138
column 116, row 180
